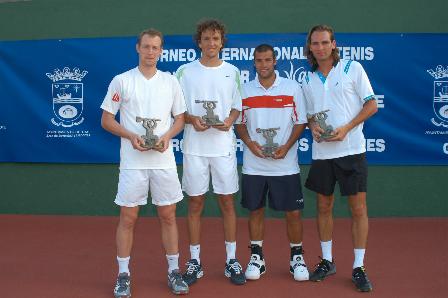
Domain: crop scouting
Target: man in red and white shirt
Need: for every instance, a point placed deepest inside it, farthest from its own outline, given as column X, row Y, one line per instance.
column 272, row 106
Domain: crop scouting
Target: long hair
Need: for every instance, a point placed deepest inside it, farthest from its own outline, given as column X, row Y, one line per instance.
column 212, row 24
column 309, row 55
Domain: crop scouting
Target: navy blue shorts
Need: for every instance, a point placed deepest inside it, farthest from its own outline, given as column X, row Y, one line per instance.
column 349, row 171
column 284, row 192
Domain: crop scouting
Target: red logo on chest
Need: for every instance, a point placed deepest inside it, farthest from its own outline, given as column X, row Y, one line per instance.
column 116, row 97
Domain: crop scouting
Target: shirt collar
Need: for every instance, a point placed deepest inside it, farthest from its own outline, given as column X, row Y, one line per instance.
column 276, row 82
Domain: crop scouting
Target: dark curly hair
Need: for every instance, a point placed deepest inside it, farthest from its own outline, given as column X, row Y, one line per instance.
column 212, row 24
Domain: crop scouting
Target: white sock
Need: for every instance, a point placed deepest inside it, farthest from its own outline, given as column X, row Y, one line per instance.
column 295, row 244
column 123, row 265
column 326, row 250
column 173, row 262
column 258, row 242
column 195, row 251
column 359, row 257
column 230, row 250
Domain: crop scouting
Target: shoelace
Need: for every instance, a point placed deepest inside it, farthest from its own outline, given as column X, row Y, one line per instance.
column 175, row 278
column 322, row 266
column 191, row 268
column 360, row 275
column 236, row 267
column 123, row 283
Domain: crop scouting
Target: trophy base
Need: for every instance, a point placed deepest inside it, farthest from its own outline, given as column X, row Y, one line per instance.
column 269, row 151
column 327, row 135
column 151, row 143
column 324, row 137
column 213, row 122
column 328, row 132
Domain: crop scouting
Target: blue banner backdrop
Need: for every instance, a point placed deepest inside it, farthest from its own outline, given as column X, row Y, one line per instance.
column 51, row 91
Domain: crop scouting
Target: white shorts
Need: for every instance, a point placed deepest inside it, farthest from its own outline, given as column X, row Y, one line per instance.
column 133, row 187
column 196, row 174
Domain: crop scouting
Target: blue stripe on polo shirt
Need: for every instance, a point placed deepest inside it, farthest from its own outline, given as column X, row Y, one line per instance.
column 347, row 66
column 370, row 97
column 321, row 76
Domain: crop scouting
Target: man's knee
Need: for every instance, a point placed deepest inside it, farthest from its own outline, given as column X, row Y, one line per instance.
column 358, row 205
column 128, row 218
column 168, row 218
column 359, row 210
column 227, row 205
column 167, row 214
column 325, row 207
column 195, row 206
column 293, row 216
column 257, row 214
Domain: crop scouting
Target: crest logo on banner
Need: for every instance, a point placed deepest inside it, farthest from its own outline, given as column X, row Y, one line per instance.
column 67, row 92
column 440, row 98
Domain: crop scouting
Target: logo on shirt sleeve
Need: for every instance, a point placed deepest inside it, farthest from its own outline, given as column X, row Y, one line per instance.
column 116, row 97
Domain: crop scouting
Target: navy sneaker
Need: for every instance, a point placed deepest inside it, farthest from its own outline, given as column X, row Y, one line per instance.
column 234, row 271
column 322, row 270
column 176, row 283
column 360, row 279
column 123, row 286
column 193, row 272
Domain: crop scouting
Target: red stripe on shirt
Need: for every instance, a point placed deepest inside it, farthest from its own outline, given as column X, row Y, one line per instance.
column 269, row 102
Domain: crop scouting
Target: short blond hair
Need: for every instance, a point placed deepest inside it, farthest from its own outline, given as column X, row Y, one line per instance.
column 150, row 32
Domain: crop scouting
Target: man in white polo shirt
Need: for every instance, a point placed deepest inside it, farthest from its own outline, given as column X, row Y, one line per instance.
column 338, row 94
column 148, row 100
column 273, row 116
column 212, row 93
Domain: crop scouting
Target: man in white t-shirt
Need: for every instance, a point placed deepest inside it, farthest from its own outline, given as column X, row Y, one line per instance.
column 273, row 118
column 339, row 99
column 212, row 93
column 148, row 100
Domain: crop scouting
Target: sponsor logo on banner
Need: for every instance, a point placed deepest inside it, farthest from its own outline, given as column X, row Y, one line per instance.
column 440, row 98
column 67, row 93
column 295, row 74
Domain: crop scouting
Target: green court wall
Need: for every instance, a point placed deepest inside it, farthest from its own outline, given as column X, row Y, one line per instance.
column 86, row 189
column 89, row 189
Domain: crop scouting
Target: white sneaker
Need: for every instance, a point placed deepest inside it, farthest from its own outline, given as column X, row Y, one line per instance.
column 298, row 268
column 255, row 268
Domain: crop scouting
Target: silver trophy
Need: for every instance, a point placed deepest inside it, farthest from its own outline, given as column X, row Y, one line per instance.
column 150, row 138
column 269, row 134
column 320, row 118
column 210, row 118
